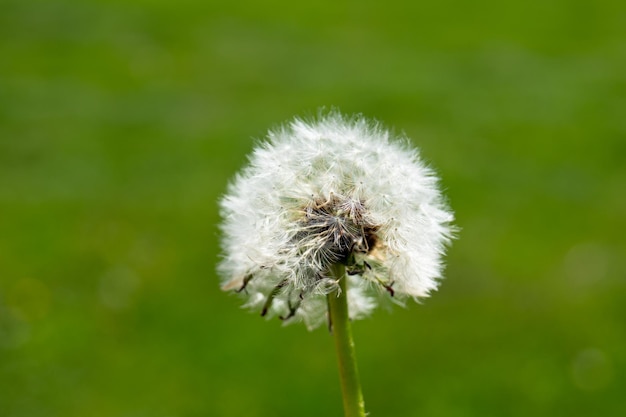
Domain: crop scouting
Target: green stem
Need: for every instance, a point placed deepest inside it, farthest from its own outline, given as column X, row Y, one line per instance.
column 340, row 321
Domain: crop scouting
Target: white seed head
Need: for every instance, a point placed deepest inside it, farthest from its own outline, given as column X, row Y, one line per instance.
column 326, row 191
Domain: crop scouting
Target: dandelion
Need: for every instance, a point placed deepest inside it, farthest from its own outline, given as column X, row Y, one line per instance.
column 332, row 211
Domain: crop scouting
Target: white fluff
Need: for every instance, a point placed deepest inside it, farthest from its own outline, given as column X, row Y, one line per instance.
column 333, row 189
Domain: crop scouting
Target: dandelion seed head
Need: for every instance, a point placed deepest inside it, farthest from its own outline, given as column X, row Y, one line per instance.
column 332, row 190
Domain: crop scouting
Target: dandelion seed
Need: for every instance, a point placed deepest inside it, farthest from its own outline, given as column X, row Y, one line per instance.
column 334, row 190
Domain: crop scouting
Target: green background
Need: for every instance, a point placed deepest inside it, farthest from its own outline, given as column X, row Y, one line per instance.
column 121, row 123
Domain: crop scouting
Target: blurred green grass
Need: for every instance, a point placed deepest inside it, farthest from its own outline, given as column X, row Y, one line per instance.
column 121, row 123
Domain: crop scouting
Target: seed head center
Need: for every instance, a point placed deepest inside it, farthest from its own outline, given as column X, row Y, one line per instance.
column 338, row 228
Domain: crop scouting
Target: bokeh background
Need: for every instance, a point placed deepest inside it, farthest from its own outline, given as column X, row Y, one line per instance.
column 121, row 123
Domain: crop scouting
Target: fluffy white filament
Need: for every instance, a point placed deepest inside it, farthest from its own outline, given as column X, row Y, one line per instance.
column 333, row 189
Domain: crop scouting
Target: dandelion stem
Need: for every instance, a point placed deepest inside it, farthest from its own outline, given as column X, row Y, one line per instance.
column 338, row 308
